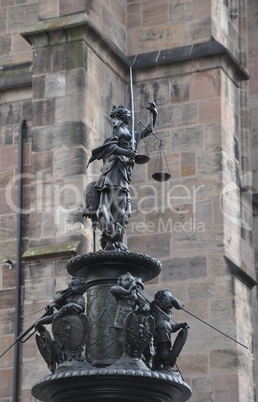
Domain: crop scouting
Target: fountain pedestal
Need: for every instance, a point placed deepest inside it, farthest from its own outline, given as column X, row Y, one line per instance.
column 109, row 375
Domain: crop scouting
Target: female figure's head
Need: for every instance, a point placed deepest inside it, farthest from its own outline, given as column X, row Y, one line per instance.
column 121, row 113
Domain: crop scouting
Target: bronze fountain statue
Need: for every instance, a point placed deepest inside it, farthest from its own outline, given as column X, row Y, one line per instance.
column 108, row 202
column 124, row 337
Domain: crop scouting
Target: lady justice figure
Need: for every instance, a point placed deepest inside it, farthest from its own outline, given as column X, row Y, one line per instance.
column 108, row 202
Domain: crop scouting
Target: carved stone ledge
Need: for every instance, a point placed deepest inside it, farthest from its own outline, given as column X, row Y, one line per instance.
column 111, row 264
column 116, row 385
column 51, row 252
column 78, row 28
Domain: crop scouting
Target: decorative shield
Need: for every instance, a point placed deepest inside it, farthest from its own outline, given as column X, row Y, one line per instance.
column 45, row 347
column 179, row 344
column 139, row 329
column 70, row 330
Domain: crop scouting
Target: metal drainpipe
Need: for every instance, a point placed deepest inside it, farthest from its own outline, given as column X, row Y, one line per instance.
column 18, row 264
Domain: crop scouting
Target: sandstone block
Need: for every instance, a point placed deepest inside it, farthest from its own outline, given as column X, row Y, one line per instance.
column 6, row 322
column 19, row 44
column 187, row 139
column 39, row 271
column 149, row 40
column 34, row 290
column 174, row 164
column 188, row 164
column 217, row 212
column 179, row 89
column 224, row 360
column 8, row 277
column 201, row 8
column 226, row 387
column 66, row 7
column 194, row 363
column 5, row 44
column 43, row 113
column 134, row 15
column 29, row 350
column 204, row 212
column 70, row 162
column 209, row 163
column 55, row 85
column 178, row 115
column 32, row 370
column 197, row 31
column 199, row 239
column 158, row 91
column 48, row 224
column 8, row 250
column 27, row 111
column 205, row 85
column 120, row 36
column 10, row 114
column 38, row 87
column 75, row 81
column 8, row 226
column 7, row 3
column 42, row 162
column 5, row 176
column 210, row 110
column 213, row 136
column 6, row 135
column 32, row 226
column 19, row 16
column 42, row 60
column 157, row 246
column 7, row 359
column 201, row 290
column 202, row 390
column 9, row 200
column 6, row 379
column 120, row 9
column 48, row 9
column 107, row 21
column 152, row 144
column 68, row 134
column 217, row 265
column 69, row 108
column 183, row 268
column 26, row 395
column 180, row 11
column 60, row 270
column 3, row 20
column 155, row 12
column 222, row 309
column 9, row 157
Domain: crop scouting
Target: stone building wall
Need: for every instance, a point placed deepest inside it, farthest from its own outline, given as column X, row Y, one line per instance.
column 63, row 76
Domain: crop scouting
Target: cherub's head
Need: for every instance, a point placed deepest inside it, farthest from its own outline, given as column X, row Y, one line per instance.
column 77, row 285
column 126, row 280
column 164, row 297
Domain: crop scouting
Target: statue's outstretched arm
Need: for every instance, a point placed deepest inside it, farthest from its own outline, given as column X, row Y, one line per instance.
column 178, row 326
column 176, row 303
column 152, row 121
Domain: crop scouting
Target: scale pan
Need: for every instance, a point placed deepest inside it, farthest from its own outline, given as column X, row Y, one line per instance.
column 161, row 176
column 141, row 159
